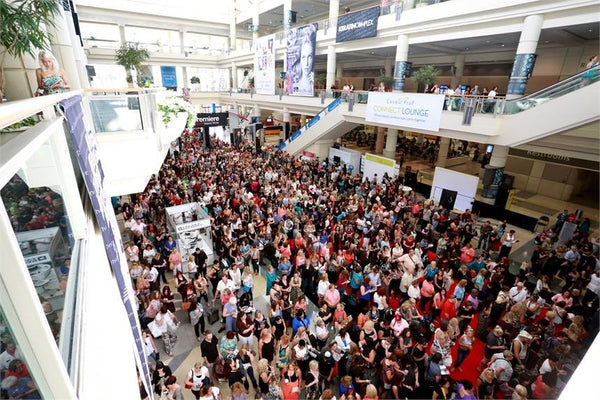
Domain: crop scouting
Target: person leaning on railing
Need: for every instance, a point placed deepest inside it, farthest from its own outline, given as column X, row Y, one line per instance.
column 51, row 78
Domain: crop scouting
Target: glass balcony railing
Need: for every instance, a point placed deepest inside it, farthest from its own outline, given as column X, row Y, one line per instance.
column 116, row 113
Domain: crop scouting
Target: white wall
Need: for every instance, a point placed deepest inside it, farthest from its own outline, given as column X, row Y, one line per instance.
column 464, row 184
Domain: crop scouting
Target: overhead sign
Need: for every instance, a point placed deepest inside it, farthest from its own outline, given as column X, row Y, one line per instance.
column 264, row 65
column 357, row 25
column 212, row 119
column 169, row 77
column 555, row 159
column 300, row 74
column 406, row 110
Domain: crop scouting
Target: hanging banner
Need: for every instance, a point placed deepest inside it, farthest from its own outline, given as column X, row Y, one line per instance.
column 301, row 45
column 264, row 65
column 521, row 71
column 406, row 110
column 169, row 77
column 212, row 119
column 84, row 142
column 357, row 25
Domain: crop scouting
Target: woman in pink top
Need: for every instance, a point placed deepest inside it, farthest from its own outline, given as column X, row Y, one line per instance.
column 565, row 296
column 332, row 297
column 427, row 293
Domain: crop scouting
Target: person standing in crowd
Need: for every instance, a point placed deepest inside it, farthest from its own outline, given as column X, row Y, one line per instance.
column 508, row 240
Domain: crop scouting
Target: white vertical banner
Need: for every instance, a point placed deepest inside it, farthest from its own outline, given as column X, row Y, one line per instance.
column 264, row 65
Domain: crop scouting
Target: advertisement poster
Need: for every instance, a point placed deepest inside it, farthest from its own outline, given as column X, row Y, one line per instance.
column 169, row 77
column 406, row 110
column 357, row 25
column 264, row 65
column 301, row 45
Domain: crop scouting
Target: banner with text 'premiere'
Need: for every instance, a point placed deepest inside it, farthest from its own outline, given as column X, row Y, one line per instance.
column 406, row 110
column 264, row 65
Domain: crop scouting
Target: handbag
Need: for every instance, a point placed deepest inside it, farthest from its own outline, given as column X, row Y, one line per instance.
column 189, row 385
column 185, row 305
column 213, row 316
column 154, row 329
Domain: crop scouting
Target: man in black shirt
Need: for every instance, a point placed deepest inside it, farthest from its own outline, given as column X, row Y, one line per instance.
column 200, row 258
column 210, row 351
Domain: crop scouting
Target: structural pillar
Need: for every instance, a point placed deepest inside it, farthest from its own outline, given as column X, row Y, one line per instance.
column 388, row 66
column 122, row 34
column 186, row 82
column 390, row 143
column 492, row 176
column 339, row 72
column 401, row 62
column 66, row 51
column 182, row 42
column 442, row 157
column 234, row 77
column 459, row 67
column 256, row 110
column 380, row 141
column 334, row 12
column 232, row 32
column 330, row 79
column 525, row 57
column 255, row 22
column 287, row 8
column 320, row 148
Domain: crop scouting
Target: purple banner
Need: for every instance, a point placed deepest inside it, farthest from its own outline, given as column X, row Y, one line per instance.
column 91, row 168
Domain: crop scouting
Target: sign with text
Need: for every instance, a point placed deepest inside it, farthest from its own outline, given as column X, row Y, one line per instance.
column 212, row 119
column 264, row 65
column 556, row 159
column 406, row 110
column 357, row 25
column 169, row 77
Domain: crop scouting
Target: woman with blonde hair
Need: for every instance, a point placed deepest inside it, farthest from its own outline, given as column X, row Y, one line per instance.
column 453, row 329
column 486, row 384
column 50, row 77
column 312, row 381
column 265, row 375
column 371, row 393
column 238, row 392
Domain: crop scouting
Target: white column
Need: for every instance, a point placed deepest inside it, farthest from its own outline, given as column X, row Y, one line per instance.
column 234, row 78
column 122, row 34
column 442, row 157
column 523, row 64
column 186, row 82
column 256, row 110
column 182, row 42
column 330, row 79
column 339, row 74
column 232, row 33
column 499, row 156
column 62, row 47
column 390, row 143
column 380, row 141
column 389, row 65
column 459, row 66
column 334, row 12
column 401, row 62
column 255, row 20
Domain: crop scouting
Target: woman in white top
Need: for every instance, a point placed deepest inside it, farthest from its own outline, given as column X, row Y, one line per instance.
column 323, row 286
column 192, row 268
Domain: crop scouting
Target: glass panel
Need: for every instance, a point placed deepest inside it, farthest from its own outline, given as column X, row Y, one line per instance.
column 116, row 113
column 15, row 380
column 41, row 224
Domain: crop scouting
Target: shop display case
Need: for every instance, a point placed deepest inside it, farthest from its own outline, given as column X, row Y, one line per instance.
column 191, row 227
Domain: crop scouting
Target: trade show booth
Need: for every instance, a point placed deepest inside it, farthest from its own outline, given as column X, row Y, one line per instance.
column 191, row 227
column 345, row 156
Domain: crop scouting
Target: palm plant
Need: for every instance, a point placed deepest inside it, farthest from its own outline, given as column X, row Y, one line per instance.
column 427, row 75
column 131, row 56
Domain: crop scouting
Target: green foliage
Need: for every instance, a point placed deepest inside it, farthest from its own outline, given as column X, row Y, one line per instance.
column 195, row 80
column 22, row 28
column 321, row 79
column 131, row 56
column 172, row 109
column 388, row 81
column 21, row 124
column 427, row 75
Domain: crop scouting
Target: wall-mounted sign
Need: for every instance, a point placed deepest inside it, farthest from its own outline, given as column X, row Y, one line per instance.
column 357, row 25
column 169, row 77
column 406, row 110
column 212, row 119
column 556, row 159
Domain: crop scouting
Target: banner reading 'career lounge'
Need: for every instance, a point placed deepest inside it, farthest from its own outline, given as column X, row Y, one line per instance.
column 407, row 110
column 264, row 65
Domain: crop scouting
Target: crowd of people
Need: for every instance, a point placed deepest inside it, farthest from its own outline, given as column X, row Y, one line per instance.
column 404, row 290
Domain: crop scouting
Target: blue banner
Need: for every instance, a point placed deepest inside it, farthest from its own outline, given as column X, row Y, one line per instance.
column 357, row 25
column 169, row 77
column 91, row 168
column 521, row 71
column 334, row 104
column 400, row 73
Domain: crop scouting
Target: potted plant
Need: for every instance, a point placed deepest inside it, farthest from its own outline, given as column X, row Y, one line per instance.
column 195, row 81
column 172, row 106
column 251, row 83
column 23, row 30
column 320, row 80
column 388, row 81
column 131, row 56
column 426, row 77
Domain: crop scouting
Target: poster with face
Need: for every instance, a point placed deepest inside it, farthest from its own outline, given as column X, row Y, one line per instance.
column 264, row 65
column 301, row 46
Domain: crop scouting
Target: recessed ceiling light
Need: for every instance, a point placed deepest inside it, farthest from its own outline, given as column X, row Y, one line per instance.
column 501, row 44
column 466, row 48
column 589, row 30
column 372, row 52
column 547, row 41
